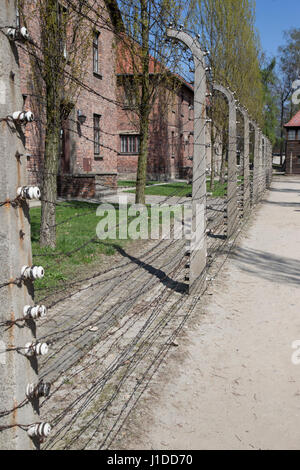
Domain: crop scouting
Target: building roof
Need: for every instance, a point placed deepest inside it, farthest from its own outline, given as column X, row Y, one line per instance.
column 129, row 61
column 294, row 122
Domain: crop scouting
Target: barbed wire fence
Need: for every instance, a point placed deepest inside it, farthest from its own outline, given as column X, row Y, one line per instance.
column 107, row 333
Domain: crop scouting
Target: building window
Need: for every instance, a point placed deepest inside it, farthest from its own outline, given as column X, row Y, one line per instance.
column 129, row 97
column 97, row 134
column 292, row 134
column 130, row 144
column 96, row 52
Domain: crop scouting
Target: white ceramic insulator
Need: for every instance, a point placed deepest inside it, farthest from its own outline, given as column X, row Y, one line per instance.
column 18, row 116
column 26, row 310
column 39, row 430
column 37, row 272
column 29, row 390
column 24, row 32
column 34, row 272
column 32, row 431
column 31, row 312
column 39, row 311
column 11, row 33
column 29, row 116
column 40, row 349
column 29, row 192
column 34, row 192
column 25, row 272
column 42, row 311
column 23, row 116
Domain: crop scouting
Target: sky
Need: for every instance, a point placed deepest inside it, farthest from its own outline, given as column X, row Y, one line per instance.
column 272, row 18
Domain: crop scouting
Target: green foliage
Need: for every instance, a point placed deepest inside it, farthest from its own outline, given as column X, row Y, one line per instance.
column 270, row 111
column 289, row 65
column 227, row 30
column 143, row 58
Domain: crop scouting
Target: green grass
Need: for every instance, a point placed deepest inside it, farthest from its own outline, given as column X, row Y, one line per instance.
column 182, row 190
column 76, row 225
column 75, row 246
column 76, row 228
column 219, row 189
column 131, row 184
column 169, row 189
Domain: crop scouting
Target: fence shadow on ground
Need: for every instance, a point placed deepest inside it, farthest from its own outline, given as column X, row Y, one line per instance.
column 282, row 204
column 268, row 266
column 177, row 286
column 285, row 190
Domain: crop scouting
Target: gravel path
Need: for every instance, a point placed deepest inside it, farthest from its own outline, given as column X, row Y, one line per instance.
column 231, row 383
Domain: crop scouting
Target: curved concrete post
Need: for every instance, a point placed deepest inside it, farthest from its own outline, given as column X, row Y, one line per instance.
column 269, row 163
column 256, row 164
column 264, row 163
column 16, row 370
column 232, row 194
column 246, row 167
column 260, row 166
column 198, row 224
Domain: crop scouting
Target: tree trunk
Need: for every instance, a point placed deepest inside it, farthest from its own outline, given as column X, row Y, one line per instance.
column 49, row 186
column 144, row 108
column 142, row 163
column 52, row 35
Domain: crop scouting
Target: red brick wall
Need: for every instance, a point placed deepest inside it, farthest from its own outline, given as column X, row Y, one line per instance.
column 76, row 186
column 170, row 113
column 292, row 157
column 101, row 101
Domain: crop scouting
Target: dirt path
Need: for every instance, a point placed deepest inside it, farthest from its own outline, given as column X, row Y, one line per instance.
column 231, row 383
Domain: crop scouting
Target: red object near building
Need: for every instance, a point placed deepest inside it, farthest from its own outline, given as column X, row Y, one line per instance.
column 292, row 152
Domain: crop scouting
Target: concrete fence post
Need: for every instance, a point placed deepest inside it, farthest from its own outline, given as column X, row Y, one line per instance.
column 246, row 165
column 266, row 163
column 262, row 169
column 16, row 370
column 271, row 163
column 197, row 265
column 232, row 193
column 256, row 165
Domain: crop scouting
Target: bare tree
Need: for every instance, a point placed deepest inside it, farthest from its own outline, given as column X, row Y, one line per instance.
column 146, row 56
column 58, row 52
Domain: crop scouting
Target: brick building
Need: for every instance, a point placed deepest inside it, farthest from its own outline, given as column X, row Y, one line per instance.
column 292, row 152
column 170, row 129
column 88, row 139
column 99, row 139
